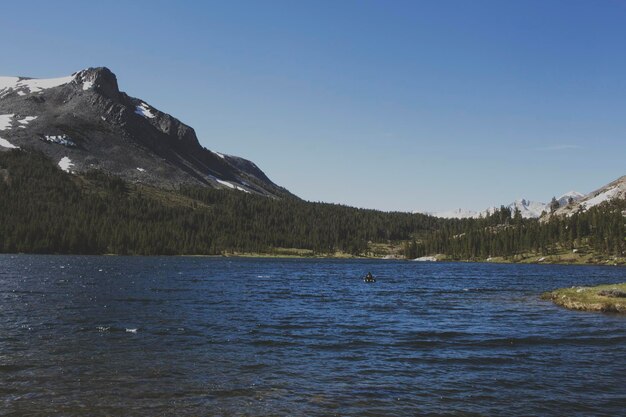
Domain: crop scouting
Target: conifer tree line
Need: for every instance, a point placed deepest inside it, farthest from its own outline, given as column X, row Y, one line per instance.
column 45, row 210
column 601, row 230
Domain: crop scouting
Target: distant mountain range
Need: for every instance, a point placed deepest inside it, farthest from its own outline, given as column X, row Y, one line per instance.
column 83, row 122
column 568, row 203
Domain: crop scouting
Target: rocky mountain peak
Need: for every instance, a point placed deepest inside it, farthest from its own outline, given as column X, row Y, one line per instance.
column 101, row 79
column 84, row 122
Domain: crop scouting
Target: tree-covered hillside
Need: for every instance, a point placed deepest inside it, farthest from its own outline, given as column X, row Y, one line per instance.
column 45, row 210
column 601, row 230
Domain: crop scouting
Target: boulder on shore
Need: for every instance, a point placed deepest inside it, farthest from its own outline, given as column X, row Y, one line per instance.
column 426, row 259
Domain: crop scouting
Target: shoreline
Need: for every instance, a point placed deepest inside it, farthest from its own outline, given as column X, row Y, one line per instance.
column 547, row 260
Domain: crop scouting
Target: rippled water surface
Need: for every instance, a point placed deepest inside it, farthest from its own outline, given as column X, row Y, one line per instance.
column 229, row 337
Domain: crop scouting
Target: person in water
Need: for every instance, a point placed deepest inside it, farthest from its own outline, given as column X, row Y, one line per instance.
column 369, row 277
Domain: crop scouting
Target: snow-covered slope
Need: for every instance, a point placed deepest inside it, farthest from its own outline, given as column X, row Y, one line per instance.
column 565, row 198
column 527, row 208
column 611, row 191
column 23, row 86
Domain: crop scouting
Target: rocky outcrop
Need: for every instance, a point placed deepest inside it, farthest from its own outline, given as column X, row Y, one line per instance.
column 615, row 190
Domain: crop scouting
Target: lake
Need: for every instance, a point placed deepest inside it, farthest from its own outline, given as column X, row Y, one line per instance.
column 82, row 335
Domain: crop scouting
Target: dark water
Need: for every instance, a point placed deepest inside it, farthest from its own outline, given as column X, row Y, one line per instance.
column 229, row 337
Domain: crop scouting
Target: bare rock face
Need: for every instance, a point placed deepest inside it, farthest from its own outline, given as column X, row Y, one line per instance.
column 615, row 190
column 612, row 293
column 85, row 119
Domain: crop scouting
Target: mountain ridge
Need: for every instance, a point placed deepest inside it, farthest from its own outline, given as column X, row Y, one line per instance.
column 84, row 122
column 614, row 190
column 528, row 208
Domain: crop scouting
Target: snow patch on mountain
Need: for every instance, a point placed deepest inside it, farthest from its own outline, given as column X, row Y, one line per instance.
column 238, row 188
column 612, row 191
column 36, row 113
column 564, row 199
column 226, row 183
column 59, row 140
column 5, row 121
column 31, row 85
column 231, row 185
column 65, row 164
column 528, row 209
column 606, row 195
column 26, row 120
column 144, row 110
column 6, row 144
column 7, row 85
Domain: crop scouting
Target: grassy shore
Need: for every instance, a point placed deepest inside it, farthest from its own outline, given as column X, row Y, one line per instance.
column 561, row 257
column 605, row 298
column 394, row 251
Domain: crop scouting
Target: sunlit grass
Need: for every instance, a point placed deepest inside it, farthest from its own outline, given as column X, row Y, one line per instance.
column 589, row 298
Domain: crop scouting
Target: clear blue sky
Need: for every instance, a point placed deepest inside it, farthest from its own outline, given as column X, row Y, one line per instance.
column 395, row 105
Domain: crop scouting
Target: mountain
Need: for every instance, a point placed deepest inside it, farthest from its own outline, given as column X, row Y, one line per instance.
column 528, row 209
column 454, row 214
column 612, row 191
column 565, row 198
column 84, row 122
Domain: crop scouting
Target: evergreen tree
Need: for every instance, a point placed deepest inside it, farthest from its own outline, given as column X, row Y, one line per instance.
column 554, row 204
